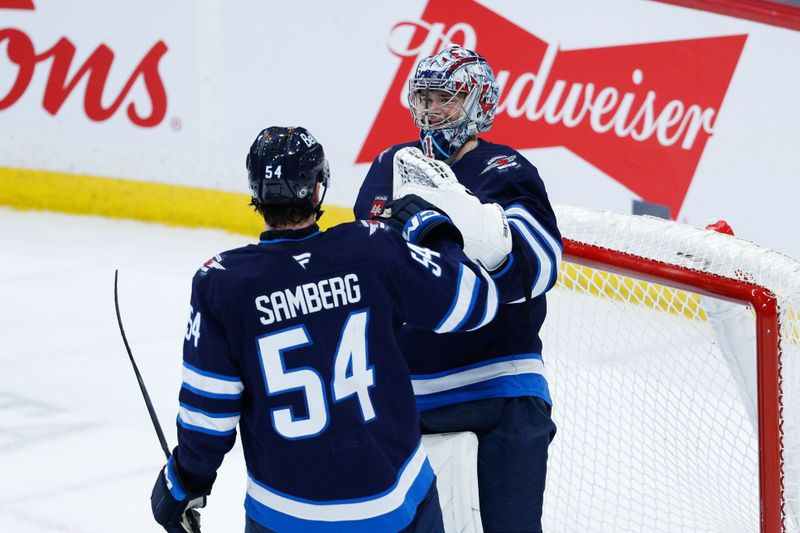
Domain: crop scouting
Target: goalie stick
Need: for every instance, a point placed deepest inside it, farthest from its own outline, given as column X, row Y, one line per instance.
column 191, row 515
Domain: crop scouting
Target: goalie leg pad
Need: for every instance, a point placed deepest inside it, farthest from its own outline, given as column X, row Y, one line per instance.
column 454, row 458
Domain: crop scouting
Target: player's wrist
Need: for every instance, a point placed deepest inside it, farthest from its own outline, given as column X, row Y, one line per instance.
column 192, row 483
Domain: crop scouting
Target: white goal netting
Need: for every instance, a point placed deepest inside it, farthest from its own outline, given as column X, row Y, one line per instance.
column 656, row 389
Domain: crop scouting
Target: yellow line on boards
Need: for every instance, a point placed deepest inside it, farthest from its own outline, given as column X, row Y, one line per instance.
column 193, row 207
column 174, row 205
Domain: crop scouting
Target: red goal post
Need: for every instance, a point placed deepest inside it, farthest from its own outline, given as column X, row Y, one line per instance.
column 631, row 266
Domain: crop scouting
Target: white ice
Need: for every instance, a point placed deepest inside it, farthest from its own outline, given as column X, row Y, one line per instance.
column 77, row 450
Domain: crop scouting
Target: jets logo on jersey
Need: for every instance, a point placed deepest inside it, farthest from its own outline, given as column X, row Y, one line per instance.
column 214, row 262
column 373, row 225
column 377, row 206
column 501, row 162
column 302, row 259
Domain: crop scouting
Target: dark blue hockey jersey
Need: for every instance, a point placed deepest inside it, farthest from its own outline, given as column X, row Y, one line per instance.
column 505, row 358
column 293, row 340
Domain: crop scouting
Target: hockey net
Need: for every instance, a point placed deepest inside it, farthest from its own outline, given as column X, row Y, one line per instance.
column 673, row 355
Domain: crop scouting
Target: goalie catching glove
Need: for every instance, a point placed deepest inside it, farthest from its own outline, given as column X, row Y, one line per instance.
column 484, row 227
column 420, row 222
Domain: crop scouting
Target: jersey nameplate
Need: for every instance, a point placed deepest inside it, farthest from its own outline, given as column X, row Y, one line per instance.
column 308, row 298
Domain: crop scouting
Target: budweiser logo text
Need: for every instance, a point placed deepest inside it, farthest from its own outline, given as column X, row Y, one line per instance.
column 606, row 110
column 21, row 52
column 641, row 113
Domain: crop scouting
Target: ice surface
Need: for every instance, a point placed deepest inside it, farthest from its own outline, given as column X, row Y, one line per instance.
column 77, row 450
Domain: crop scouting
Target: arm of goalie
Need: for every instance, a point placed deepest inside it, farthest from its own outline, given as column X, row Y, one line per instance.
column 487, row 237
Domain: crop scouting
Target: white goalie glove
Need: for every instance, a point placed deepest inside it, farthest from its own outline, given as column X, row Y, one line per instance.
column 487, row 237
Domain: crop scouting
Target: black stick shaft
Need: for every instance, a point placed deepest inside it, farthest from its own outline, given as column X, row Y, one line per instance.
column 153, row 416
column 195, row 527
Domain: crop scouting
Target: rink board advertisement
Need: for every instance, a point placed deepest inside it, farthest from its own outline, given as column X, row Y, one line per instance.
column 152, row 106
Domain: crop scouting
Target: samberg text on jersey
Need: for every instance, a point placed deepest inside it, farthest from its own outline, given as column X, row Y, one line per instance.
column 308, row 298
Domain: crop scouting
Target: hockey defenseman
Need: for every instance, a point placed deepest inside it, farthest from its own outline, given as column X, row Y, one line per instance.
column 490, row 381
column 292, row 340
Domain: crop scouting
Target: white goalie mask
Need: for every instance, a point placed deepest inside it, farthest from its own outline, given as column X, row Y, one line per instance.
column 452, row 96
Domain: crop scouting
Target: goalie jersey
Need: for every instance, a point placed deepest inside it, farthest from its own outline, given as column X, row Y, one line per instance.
column 293, row 341
column 505, row 358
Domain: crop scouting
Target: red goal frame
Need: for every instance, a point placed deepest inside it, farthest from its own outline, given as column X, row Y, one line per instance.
column 765, row 304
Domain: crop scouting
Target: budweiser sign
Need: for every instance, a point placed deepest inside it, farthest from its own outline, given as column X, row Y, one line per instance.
column 25, row 57
column 641, row 113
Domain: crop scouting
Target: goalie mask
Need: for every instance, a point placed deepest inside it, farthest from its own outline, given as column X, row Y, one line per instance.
column 284, row 165
column 452, row 96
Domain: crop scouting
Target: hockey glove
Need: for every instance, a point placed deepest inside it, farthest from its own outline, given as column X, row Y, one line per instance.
column 172, row 504
column 421, row 222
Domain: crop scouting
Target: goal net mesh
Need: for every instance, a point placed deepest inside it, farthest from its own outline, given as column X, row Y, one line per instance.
column 655, row 389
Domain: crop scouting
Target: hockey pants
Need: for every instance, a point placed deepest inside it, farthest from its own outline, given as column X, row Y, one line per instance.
column 513, row 437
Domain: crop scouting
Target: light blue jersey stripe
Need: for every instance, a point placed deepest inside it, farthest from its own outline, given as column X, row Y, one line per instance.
column 472, row 374
column 490, row 309
column 392, row 510
column 275, row 241
column 173, row 483
column 502, row 387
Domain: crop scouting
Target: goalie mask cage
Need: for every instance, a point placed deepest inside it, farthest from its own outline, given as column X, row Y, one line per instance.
column 673, row 355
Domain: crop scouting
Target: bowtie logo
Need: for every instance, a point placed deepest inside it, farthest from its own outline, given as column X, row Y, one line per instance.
column 641, row 113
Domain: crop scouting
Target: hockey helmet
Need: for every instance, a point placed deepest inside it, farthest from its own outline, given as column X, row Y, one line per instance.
column 467, row 80
column 284, row 165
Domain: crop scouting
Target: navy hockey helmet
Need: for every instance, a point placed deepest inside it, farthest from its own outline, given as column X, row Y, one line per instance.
column 284, row 165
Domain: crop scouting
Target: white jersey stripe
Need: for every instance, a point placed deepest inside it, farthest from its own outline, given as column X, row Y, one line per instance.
column 545, row 261
column 212, row 384
column 477, row 375
column 555, row 245
column 208, row 421
column 334, row 512
column 463, row 301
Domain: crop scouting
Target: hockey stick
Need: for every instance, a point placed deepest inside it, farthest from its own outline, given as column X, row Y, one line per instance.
column 190, row 514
